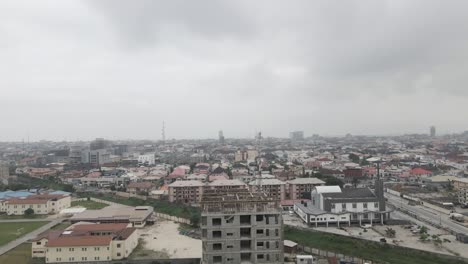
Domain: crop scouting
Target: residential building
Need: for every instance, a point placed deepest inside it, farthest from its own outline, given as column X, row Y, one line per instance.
column 96, row 157
column 272, row 187
column 41, row 204
column 85, row 243
column 147, row 159
column 4, row 173
column 301, row 188
column 188, row 192
column 296, row 135
column 241, row 227
column 140, row 187
column 224, row 184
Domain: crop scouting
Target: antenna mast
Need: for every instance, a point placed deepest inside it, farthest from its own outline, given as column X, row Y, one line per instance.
column 163, row 132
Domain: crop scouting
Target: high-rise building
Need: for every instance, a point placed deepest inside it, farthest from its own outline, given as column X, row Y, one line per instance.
column 4, row 172
column 239, row 226
column 221, row 137
column 433, row 131
column 296, row 135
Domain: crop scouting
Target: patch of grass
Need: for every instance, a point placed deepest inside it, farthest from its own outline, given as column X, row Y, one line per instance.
column 10, row 231
column 370, row 250
column 89, row 204
column 13, row 217
column 20, row 255
column 164, row 207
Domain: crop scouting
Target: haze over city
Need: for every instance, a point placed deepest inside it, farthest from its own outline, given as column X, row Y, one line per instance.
column 117, row 69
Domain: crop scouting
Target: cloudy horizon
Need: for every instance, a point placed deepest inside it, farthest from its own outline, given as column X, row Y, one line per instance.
column 118, row 69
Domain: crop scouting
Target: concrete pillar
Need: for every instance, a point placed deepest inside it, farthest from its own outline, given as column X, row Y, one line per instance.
column 381, row 218
column 349, row 221
column 338, row 222
column 316, row 222
column 360, row 220
column 327, row 222
column 371, row 216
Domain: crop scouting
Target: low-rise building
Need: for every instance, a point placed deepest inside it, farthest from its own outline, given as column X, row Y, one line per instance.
column 272, row 187
column 41, row 204
column 188, row 192
column 136, row 216
column 140, row 187
column 301, row 187
column 86, row 243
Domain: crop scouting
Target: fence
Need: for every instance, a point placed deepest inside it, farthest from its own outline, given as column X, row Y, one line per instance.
column 173, row 218
column 325, row 253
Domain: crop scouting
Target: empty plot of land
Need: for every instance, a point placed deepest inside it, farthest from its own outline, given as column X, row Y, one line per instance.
column 93, row 205
column 164, row 237
column 11, row 230
column 19, row 255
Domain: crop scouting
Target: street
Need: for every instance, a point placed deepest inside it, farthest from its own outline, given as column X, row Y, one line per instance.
column 426, row 214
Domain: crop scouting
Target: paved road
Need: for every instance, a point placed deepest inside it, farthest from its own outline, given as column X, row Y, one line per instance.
column 427, row 214
column 28, row 236
column 24, row 220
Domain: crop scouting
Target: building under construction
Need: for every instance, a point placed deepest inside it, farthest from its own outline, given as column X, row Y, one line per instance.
column 239, row 226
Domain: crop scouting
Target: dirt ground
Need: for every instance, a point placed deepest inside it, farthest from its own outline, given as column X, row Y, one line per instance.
column 404, row 237
column 163, row 237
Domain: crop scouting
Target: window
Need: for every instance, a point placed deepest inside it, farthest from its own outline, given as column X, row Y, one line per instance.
column 84, row 258
column 217, row 246
column 38, row 243
column 376, row 205
column 96, row 258
column 260, row 256
column 259, row 218
column 354, row 205
column 118, row 245
column 58, row 250
column 229, row 234
column 71, row 249
column 333, row 206
column 259, row 244
column 217, row 234
column 364, row 205
column 230, row 246
column 84, row 249
column 259, row 231
column 217, row 259
column 343, row 206
column 71, row 258
column 216, row 221
column 118, row 254
column 96, row 249
column 366, row 216
column 276, row 232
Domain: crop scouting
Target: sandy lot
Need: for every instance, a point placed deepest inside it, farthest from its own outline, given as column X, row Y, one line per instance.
column 164, row 237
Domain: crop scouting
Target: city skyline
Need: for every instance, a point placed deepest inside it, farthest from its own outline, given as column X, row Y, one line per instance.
column 88, row 69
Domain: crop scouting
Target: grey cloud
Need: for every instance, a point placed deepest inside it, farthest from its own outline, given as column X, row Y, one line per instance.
column 104, row 68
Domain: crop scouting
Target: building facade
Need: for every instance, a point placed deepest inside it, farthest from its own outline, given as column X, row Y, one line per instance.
column 241, row 227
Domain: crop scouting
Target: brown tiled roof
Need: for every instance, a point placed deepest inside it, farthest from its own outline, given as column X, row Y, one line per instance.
column 100, row 227
column 49, row 234
column 80, row 241
column 27, row 201
column 124, row 234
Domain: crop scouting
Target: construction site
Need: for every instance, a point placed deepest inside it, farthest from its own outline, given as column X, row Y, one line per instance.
column 239, row 226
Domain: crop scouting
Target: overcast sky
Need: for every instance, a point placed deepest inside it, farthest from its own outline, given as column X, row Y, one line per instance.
column 116, row 69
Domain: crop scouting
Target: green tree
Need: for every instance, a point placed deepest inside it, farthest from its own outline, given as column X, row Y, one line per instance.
column 331, row 181
column 354, row 158
column 195, row 219
column 29, row 212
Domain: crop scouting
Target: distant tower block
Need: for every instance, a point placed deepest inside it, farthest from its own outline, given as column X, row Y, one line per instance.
column 221, row 137
column 433, row 131
column 163, row 132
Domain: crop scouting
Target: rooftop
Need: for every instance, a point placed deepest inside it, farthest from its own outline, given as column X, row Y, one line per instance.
column 306, row 181
column 77, row 241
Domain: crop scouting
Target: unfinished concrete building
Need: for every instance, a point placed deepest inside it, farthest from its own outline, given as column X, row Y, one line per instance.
column 239, row 226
